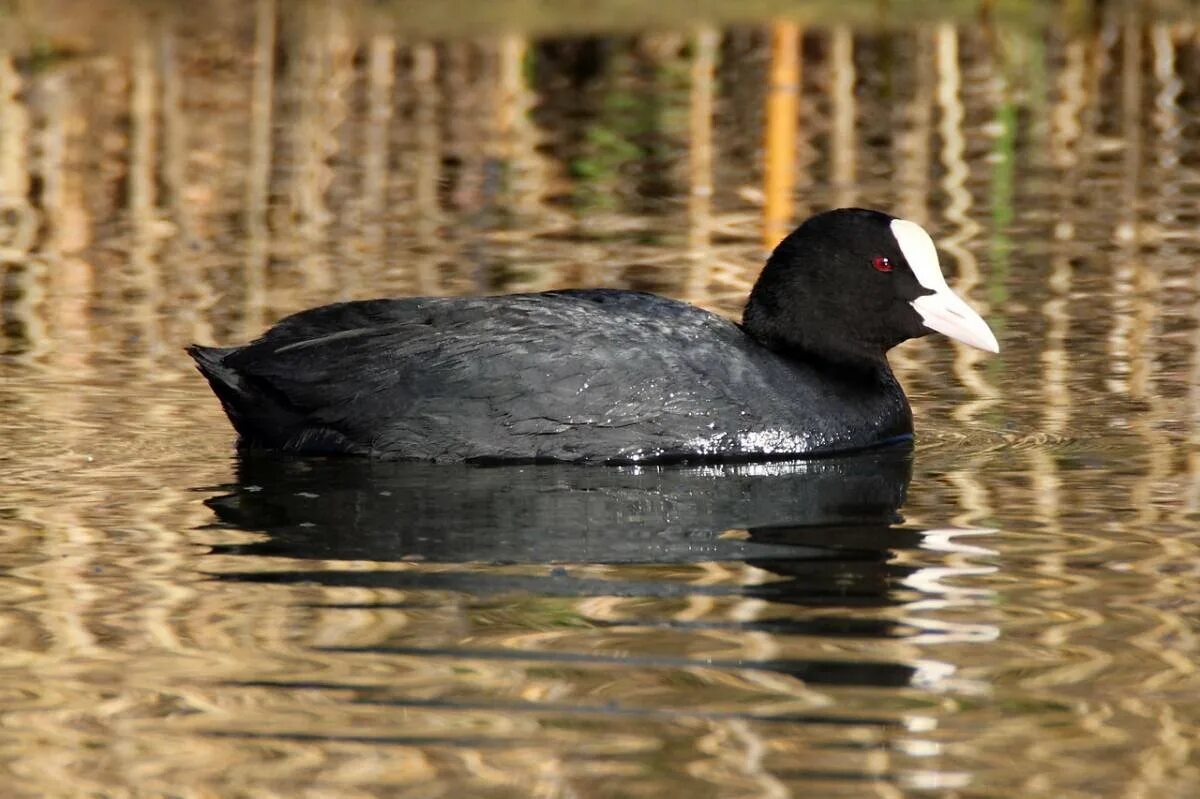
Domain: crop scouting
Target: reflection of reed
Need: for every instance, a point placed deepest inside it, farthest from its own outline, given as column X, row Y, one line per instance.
column 59, row 200
column 779, row 169
column 972, row 495
column 460, row 130
column 68, row 311
column 911, row 151
column 528, row 172
column 737, row 749
column 1133, row 279
column 148, row 228
column 308, row 177
column 321, row 50
column 426, row 170
column 143, row 144
column 1135, row 282
column 1066, row 137
column 174, row 131
column 911, row 154
column 381, row 70
column 1155, row 642
column 258, row 168
column 20, row 221
column 523, row 174
column 957, row 211
column 843, row 143
column 700, row 164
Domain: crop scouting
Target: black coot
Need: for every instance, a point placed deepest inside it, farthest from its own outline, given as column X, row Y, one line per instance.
column 599, row 375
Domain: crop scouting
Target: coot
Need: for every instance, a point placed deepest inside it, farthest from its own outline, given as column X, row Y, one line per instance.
column 607, row 376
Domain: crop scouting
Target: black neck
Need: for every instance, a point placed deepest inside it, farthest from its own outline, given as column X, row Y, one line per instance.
column 806, row 342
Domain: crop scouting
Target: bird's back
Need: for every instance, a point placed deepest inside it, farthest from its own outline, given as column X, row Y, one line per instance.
column 592, row 375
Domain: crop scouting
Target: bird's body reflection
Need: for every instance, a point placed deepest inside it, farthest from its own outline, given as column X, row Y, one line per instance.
column 793, row 512
column 806, row 534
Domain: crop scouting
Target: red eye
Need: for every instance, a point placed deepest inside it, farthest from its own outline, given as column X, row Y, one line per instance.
column 882, row 263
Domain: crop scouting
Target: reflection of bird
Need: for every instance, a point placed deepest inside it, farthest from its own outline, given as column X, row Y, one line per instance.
column 822, row 529
column 818, row 535
column 604, row 375
column 336, row 509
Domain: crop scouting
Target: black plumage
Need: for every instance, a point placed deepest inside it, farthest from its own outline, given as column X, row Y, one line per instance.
column 593, row 375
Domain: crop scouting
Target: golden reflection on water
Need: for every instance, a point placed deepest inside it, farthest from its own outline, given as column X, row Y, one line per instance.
column 194, row 179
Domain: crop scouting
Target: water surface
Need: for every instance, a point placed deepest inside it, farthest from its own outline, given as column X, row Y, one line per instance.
column 1008, row 610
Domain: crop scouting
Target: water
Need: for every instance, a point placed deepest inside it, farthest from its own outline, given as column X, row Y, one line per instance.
column 1008, row 610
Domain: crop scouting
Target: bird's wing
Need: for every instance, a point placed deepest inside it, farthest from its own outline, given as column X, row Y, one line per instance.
column 509, row 377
